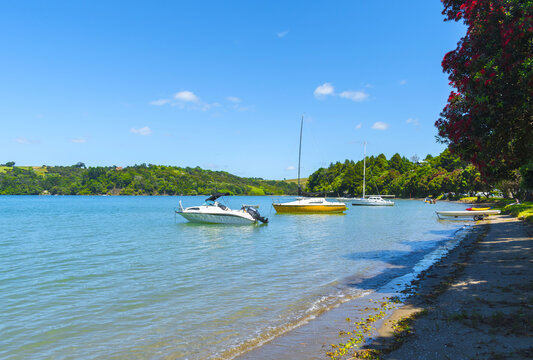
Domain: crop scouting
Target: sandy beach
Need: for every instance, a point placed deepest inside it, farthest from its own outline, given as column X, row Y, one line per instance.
column 475, row 303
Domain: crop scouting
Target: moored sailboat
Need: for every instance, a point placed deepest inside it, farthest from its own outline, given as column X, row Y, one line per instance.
column 366, row 200
column 307, row 205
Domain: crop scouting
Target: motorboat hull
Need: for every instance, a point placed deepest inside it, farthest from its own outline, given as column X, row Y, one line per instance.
column 235, row 219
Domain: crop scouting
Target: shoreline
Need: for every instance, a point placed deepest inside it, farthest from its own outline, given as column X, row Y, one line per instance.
column 324, row 333
column 476, row 303
column 371, row 323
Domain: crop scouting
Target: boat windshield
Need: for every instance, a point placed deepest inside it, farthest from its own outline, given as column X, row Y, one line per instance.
column 223, row 207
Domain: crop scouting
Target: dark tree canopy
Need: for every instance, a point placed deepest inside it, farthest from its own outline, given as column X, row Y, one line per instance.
column 488, row 119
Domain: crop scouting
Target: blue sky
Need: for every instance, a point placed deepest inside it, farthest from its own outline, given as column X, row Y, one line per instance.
column 220, row 85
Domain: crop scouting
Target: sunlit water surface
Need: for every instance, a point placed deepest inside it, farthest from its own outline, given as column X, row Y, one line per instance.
column 122, row 278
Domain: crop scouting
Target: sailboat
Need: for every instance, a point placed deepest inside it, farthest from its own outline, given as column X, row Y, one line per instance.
column 305, row 205
column 366, row 200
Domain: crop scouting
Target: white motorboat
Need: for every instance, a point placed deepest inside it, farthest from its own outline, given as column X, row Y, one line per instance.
column 461, row 214
column 366, row 200
column 213, row 212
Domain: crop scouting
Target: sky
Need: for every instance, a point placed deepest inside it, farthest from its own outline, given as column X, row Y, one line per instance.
column 221, row 84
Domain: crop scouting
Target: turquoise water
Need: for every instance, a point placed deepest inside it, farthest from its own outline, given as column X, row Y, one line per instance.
column 122, row 278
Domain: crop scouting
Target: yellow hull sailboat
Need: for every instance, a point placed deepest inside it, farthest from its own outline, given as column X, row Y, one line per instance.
column 308, row 205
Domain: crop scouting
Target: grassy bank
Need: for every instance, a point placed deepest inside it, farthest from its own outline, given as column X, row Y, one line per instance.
column 522, row 211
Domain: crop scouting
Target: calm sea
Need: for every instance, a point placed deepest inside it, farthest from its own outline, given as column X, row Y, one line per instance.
column 94, row 277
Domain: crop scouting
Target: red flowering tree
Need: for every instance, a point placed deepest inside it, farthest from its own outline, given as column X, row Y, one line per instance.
column 488, row 119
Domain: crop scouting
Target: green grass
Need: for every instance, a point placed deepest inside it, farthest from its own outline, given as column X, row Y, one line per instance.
column 4, row 169
column 303, row 181
column 38, row 169
column 522, row 211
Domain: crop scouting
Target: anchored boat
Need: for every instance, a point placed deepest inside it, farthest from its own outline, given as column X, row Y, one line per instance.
column 309, row 206
column 304, row 205
column 366, row 200
column 213, row 212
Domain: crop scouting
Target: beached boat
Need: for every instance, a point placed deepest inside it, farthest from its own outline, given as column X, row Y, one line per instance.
column 212, row 212
column 366, row 200
column 307, row 205
column 476, row 215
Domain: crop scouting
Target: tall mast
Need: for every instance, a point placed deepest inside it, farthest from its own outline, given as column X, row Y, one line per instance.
column 300, row 155
column 364, row 168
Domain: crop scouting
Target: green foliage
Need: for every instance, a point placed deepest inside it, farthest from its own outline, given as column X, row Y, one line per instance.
column 488, row 117
column 135, row 180
column 522, row 211
column 445, row 173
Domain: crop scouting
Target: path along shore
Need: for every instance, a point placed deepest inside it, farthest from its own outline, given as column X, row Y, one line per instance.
column 475, row 303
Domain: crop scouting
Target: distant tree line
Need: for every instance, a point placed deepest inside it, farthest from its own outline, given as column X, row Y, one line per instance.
column 399, row 176
column 134, row 180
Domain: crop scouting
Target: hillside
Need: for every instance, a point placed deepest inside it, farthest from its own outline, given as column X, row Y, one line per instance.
column 133, row 180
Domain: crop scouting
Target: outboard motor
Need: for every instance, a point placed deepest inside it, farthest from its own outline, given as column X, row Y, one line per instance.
column 255, row 214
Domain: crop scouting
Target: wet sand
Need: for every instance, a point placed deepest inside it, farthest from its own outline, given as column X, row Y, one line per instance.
column 483, row 282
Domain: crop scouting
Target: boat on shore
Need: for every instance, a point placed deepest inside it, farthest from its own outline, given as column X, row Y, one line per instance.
column 461, row 214
column 307, row 205
column 213, row 212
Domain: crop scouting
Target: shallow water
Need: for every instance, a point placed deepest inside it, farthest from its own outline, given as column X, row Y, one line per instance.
column 122, row 278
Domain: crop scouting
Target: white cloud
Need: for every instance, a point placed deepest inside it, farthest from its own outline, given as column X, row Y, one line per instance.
column 160, row 102
column 22, row 140
column 79, row 140
column 282, row 33
column 291, row 168
column 144, row 131
column 380, row 126
column 233, row 99
column 403, row 82
column 358, row 126
column 190, row 101
column 356, row 96
column 186, row 96
column 323, row 90
column 412, row 121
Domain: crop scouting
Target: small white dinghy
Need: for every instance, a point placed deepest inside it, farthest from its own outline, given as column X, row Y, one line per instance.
column 212, row 212
column 476, row 215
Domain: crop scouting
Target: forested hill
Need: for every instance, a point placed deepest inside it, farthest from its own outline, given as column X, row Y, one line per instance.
column 134, row 180
column 399, row 176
